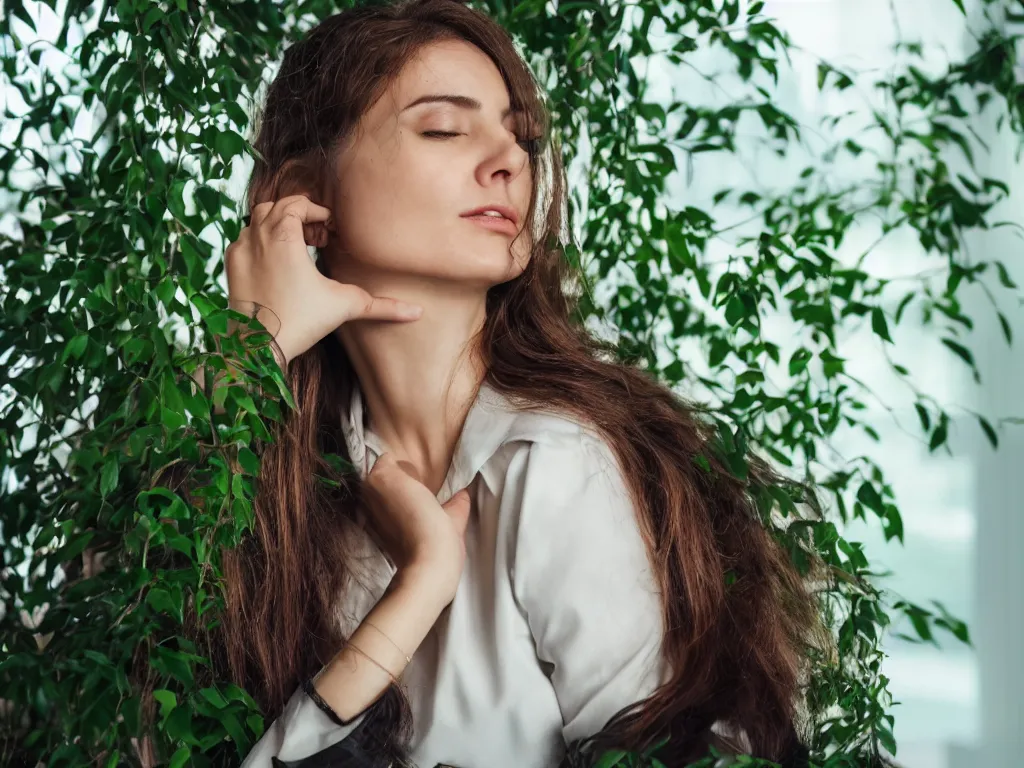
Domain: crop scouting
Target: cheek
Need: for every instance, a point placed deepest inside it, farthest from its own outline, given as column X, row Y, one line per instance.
column 390, row 212
column 401, row 213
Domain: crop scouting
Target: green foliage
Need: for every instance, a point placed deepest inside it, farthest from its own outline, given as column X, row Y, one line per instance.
column 110, row 296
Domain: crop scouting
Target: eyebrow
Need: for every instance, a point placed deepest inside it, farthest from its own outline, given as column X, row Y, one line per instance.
column 466, row 102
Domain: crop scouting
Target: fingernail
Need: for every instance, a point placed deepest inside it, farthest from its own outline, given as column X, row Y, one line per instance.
column 411, row 310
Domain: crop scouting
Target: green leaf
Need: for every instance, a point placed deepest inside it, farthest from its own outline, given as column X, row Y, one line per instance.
column 1005, row 325
column 885, row 737
column 180, row 757
column 98, row 657
column 611, row 758
column 76, row 347
column 798, row 362
column 961, row 351
column 879, row 325
column 153, row 15
column 922, row 414
column 174, row 664
column 869, row 497
column 234, row 729
column 228, row 144
column 250, row 461
column 172, row 420
column 892, row 523
column 108, row 478
column 1004, row 275
column 166, row 699
column 214, row 696
column 167, row 601
column 939, row 435
column 176, row 201
column 179, row 726
column 951, row 623
column 735, row 312
column 989, row 431
column 243, row 399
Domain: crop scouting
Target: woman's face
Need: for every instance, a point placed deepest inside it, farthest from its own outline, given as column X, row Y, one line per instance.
column 405, row 184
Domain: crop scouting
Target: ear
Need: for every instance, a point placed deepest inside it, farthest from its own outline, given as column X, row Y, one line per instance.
column 300, row 176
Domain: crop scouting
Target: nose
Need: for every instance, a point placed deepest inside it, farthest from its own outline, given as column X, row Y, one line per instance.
column 506, row 158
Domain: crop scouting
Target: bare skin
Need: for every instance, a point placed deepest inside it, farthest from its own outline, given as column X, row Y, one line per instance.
column 394, row 235
column 400, row 234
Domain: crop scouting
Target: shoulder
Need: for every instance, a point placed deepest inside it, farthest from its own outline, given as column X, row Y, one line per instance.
column 559, row 477
column 574, row 540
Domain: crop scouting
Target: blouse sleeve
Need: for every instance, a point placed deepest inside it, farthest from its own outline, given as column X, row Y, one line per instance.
column 582, row 576
column 304, row 736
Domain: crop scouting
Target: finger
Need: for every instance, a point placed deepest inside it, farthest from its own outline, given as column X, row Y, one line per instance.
column 298, row 210
column 458, row 508
column 366, row 307
column 382, row 464
column 259, row 212
column 458, row 503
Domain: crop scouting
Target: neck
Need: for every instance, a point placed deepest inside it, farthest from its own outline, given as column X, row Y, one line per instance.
column 418, row 379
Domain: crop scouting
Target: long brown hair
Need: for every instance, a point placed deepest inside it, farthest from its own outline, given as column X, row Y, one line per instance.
column 740, row 620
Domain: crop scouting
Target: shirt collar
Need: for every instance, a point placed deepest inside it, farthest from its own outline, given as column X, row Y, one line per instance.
column 488, row 424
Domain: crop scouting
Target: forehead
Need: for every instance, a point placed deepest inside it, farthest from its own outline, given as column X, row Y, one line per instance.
column 446, row 67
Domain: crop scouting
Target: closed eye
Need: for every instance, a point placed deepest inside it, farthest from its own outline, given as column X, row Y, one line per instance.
column 529, row 145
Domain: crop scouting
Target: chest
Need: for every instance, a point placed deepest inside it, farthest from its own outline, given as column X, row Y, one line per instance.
column 478, row 693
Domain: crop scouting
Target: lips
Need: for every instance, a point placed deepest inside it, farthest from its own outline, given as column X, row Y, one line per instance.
column 507, row 212
column 495, row 224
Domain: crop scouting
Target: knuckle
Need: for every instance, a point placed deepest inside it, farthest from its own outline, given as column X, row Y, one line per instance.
column 259, row 211
column 292, row 204
column 236, row 252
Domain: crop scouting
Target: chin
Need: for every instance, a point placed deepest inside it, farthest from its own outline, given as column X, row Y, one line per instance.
column 480, row 266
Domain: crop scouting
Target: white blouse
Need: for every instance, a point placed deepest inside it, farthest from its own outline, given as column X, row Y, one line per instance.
column 556, row 624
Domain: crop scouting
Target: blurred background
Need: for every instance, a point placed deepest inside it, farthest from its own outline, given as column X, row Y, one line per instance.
column 962, row 510
column 958, row 707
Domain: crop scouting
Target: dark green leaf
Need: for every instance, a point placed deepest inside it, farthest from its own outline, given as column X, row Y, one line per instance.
column 989, row 431
column 879, row 325
column 108, row 479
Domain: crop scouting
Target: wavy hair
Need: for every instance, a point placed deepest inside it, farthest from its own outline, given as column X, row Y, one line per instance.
column 741, row 621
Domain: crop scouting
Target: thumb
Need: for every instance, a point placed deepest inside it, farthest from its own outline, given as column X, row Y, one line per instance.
column 458, row 508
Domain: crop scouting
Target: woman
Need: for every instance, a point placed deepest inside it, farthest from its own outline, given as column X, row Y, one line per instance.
column 531, row 556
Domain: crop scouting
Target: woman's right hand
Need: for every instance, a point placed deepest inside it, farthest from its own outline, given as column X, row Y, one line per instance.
column 269, row 264
column 424, row 539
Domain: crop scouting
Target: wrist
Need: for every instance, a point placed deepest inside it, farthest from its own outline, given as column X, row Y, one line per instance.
column 424, row 583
